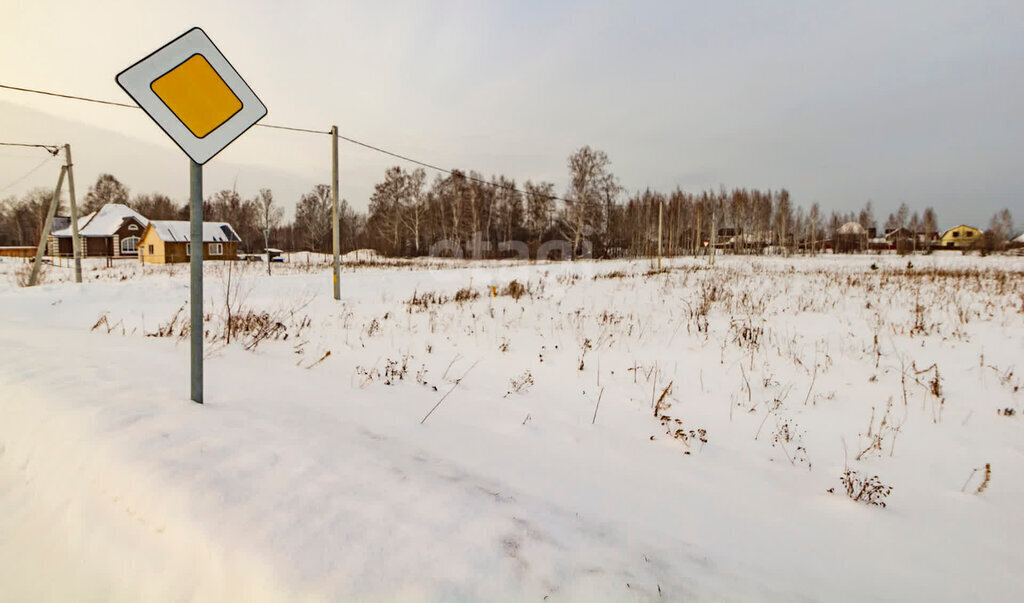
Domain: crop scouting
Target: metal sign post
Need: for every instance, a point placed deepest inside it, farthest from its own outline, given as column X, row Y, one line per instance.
column 195, row 201
column 194, row 94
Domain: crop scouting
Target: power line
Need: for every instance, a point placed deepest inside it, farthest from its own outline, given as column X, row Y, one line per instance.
column 307, row 130
column 450, row 172
column 70, row 96
column 30, row 172
column 128, row 106
column 461, row 174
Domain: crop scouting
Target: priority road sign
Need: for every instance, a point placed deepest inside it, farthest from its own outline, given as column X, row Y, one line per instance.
column 194, row 94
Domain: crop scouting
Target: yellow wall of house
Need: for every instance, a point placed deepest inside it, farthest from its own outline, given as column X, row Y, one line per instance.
column 174, row 252
column 151, row 248
column 961, row 236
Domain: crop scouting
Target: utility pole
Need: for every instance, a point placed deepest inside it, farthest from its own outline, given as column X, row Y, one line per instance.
column 266, row 246
column 196, row 289
column 661, row 207
column 76, row 242
column 698, row 239
column 334, row 213
column 45, row 234
column 714, row 237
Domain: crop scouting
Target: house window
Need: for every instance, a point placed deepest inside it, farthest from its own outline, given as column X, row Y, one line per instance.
column 188, row 249
column 133, row 227
column 956, row 234
column 216, row 249
column 130, row 245
column 969, row 233
column 150, row 250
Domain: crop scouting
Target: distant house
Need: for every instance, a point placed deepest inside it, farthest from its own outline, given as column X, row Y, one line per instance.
column 168, row 242
column 961, row 237
column 901, row 239
column 726, row 234
column 113, row 231
column 900, row 233
column 851, row 237
column 1017, row 241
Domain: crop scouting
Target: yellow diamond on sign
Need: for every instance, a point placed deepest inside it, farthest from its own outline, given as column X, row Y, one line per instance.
column 197, row 95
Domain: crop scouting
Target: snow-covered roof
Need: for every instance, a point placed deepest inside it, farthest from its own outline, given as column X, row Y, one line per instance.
column 1019, row 238
column 60, row 223
column 181, row 231
column 105, row 222
column 851, row 228
column 66, row 230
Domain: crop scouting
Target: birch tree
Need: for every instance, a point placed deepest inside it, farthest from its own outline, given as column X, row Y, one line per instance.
column 590, row 183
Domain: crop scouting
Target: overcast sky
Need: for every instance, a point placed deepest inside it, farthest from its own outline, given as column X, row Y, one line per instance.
column 840, row 102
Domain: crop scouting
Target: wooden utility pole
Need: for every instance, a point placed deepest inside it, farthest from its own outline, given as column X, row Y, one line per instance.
column 335, row 227
column 45, row 234
column 266, row 246
column 661, row 208
column 76, row 242
column 714, row 237
column 698, row 237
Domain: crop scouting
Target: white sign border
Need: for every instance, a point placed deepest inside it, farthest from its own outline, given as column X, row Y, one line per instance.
column 136, row 81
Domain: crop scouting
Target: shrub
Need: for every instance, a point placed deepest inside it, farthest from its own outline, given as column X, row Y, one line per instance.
column 859, row 488
column 515, row 290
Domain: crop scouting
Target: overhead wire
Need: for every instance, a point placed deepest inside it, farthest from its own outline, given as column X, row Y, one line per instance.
column 450, row 172
column 29, row 173
column 69, row 96
column 293, row 129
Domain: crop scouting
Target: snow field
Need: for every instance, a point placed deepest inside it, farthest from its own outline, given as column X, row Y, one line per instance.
column 732, row 398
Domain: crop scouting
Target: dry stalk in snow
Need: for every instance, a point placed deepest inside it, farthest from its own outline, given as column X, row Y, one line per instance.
column 457, row 382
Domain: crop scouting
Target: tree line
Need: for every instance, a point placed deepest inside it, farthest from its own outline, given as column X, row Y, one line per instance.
column 471, row 215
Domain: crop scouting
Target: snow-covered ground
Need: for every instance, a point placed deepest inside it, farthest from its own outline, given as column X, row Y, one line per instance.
column 597, row 431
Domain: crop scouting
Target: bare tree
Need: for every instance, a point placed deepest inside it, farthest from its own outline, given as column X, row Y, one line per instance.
column 813, row 226
column 508, row 217
column 269, row 213
column 901, row 215
column 866, row 218
column 313, row 217
column 783, row 218
column 22, row 220
column 107, row 189
column 540, row 207
column 228, row 206
column 412, row 206
column 155, row 206
column 385, row 217
column 268, row 217
column 590, row 182
column 930, row 225
column 1001, row 228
